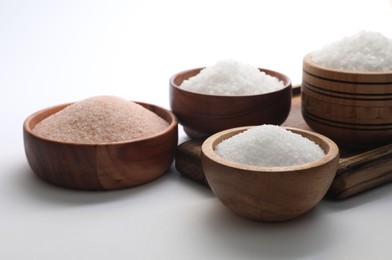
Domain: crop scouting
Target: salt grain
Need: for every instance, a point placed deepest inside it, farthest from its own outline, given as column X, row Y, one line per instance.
column 101, row 119
column 269, row 146
column 364, row 51
column 232, row 78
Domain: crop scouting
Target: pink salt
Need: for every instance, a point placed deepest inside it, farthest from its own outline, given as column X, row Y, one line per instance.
column 101, row 119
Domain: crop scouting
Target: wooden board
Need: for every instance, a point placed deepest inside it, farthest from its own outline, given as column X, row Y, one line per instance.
column 359, row 169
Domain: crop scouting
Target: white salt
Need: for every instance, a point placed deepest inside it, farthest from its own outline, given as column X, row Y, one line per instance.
column 232, row 78
column 101, row 119
column 364, row 51
column 269, row 146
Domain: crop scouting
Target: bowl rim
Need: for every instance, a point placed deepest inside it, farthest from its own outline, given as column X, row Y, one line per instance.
column 208, row 151
column 172, row 125
column 308, row 59
column 282, row 77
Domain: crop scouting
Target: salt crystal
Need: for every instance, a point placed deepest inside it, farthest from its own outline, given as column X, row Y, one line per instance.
column 269, row 146
column 364, row 51
column 101, row 119
column 232, row 78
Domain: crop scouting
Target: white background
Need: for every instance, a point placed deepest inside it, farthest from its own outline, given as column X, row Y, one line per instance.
column 53, row 52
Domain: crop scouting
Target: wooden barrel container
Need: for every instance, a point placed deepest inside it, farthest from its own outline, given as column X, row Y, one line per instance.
column 352, row 108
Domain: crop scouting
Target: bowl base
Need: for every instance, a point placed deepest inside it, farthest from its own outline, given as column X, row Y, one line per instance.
column 194, row 134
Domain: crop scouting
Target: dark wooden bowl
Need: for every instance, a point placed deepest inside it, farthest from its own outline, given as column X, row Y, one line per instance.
column 269, row 194
column 102, row 166
column 203, row 115
column 352, row 108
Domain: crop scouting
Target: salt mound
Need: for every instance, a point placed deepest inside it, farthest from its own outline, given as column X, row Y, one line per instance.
column 269, row 146
column 232, row 78
column 101, row 119
column 364, row 51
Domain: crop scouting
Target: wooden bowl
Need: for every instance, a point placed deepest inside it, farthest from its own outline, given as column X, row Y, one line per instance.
column 352, row 108
column 202, row 115
column 269, row 194
column 100, row 166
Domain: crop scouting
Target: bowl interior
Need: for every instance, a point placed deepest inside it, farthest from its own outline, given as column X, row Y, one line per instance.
column 38, row 116
column 330, row 148
column 178, row 78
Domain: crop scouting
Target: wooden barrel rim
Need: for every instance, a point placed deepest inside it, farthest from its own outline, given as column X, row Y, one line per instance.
column 344, row 76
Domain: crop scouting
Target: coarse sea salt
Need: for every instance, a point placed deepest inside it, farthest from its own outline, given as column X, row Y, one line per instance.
column 232, row 78
column 363, row 51
column 269, row 146
column 100, row 119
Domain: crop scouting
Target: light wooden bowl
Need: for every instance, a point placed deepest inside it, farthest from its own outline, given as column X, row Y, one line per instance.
column 102, row 166
column 352, row 108
column 202, row 115
column 269, row 194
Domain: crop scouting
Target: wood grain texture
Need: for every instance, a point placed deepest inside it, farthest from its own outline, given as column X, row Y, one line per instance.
column 360, row 169
column 203, row 115
column 104, row 166
column 269, row 194
column 188, row 160
column 353, row 108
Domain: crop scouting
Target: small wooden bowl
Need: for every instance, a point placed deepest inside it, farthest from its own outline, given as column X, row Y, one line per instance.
column 269, row 194
column 202, row 115
column 352, row 108
column 102, row 166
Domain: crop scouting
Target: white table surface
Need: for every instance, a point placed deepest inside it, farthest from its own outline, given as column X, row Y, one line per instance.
column 54, row 52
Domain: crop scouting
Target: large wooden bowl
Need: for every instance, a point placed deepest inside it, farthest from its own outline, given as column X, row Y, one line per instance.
column 352, row 108
column 102, row 166
column 203, row 115
column 269, row 194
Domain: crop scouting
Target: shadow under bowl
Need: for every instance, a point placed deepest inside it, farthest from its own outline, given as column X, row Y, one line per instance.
column 269, row 194
column 100, row 166
column 202, row 115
